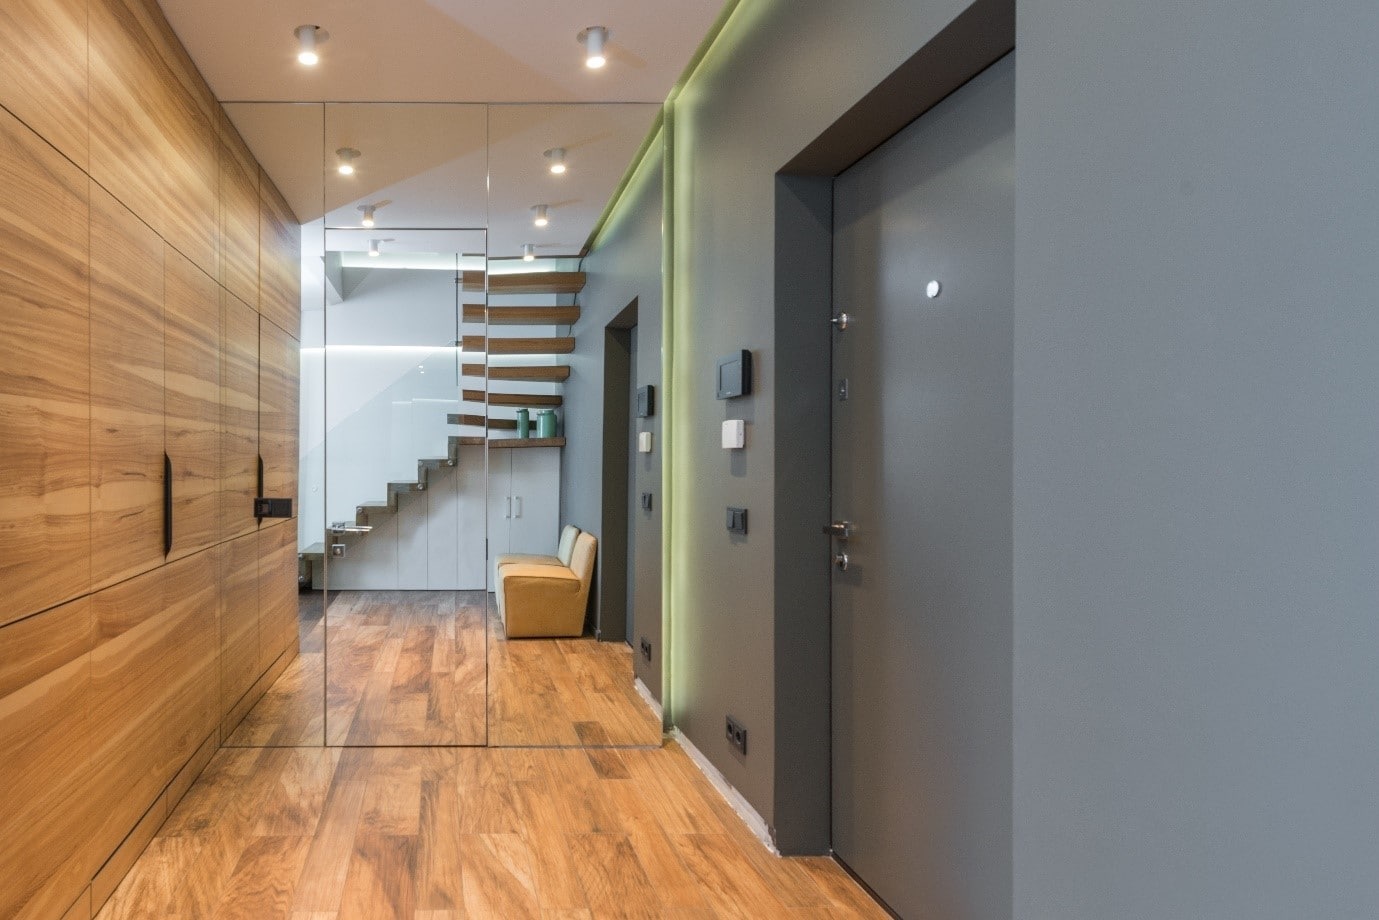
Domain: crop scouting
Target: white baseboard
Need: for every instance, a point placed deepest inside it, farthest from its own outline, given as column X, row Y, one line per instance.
column 645, row 693
column 754, row 821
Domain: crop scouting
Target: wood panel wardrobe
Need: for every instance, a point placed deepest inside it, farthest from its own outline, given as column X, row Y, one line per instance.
column 150, row 311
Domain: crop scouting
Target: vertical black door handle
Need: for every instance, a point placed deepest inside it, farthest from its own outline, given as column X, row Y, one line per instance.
column 259, row 491
column 167, row 504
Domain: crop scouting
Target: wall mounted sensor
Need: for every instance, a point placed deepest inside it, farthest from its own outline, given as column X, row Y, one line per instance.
column 734, row 434
column 643, row 442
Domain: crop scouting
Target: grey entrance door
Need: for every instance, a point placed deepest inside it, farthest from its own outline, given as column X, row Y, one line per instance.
column 923, row 266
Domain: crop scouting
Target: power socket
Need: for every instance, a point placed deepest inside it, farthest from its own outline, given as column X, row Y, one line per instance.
column 737, row 735
column 646, row 649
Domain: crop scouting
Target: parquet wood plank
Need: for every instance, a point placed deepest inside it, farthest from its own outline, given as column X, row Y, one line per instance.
column 613, row 878
column 262, row 883
column 382, row 878
column 45, row 411
column 497, row 877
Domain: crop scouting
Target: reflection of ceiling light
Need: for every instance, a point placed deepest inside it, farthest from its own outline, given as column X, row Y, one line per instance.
column 307, row 39
column 368, row 210
column 541, row 218
column 557, row 157
column 528, row 252
column 373, row 247
column 592, row 39
column 346, row 157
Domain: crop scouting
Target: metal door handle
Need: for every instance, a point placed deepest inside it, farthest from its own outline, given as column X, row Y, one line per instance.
column 840, row 529
column 841, row 561
column 518, row 499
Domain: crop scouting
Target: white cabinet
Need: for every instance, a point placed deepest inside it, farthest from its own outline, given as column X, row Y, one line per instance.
column 523, row 502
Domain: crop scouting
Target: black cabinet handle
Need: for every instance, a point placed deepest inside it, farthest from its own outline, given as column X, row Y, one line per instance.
column 259, row 490
column 167, row 505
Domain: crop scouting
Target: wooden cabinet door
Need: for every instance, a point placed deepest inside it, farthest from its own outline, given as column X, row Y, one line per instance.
column 45, row 389
column 277, row 591
column 239, row 215
column 279, row 360
column 239, row 416
column 192, row 349
column 191, row 603
column 239, row 621
column 280, row 260
column 127, row 383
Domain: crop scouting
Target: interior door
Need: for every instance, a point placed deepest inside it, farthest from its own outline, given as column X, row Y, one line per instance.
column 923, row 270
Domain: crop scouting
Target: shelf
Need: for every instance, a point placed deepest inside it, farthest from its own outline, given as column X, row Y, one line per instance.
column 550, row 345
column 522, row 316
column 525, row 283
column 513, row 443
column 519, row 372
column 517, row 400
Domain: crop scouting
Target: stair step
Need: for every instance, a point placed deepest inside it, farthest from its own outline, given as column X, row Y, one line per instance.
column 525, row 283
column 520, row 372
column 533, row 345
column 315, row 549
column 514, row 399
column 512, row 443
column 522, row 316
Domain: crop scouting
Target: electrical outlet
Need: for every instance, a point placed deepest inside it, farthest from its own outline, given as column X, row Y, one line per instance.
column 646, row 649
column 737, row 735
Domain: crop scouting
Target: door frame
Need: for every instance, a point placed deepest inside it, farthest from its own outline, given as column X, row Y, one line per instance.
column 803, row 304
column 610, row 605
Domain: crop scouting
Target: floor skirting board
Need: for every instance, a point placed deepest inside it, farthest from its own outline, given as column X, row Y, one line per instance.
column 749, row 815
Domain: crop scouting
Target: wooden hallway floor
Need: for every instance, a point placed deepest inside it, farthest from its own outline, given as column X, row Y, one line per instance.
column 449, row 833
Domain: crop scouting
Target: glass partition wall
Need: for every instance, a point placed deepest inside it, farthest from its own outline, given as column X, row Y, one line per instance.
column 439, row 323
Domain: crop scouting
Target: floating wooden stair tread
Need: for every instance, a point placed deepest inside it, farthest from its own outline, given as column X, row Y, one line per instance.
column 514, row 399
column 472, row 440
column 523, row 316
column 526, row 283
column 496, row 424
column 315, row 549
column 506, row 443
column 527, row 372
column 535, row 345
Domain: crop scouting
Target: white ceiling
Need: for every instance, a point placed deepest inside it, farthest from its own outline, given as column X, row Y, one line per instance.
column 449, row 165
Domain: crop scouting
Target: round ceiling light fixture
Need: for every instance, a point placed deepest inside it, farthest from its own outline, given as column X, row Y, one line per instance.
column 308, row 38
column 593, row 40
column 557, row 157
column 345, row 157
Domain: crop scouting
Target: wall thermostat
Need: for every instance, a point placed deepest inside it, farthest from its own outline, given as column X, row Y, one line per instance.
column 735, row 375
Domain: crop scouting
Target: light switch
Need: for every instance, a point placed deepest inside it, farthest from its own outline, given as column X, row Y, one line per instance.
column 643, row 442
column 734, row 434
column 737, row 520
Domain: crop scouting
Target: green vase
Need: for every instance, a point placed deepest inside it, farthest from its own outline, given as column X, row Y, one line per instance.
column 545, row 423
column 523, row 423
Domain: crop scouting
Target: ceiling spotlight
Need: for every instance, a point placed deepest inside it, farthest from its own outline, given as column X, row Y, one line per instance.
column 528, row 252
column 368, row 210
column 557, row 157
column 541, row 218
column 346, row 157
column 373, row 247
column 308, row 37
column 593, row 39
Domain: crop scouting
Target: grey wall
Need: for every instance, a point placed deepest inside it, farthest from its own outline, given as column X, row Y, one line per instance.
column 780, row 74
column 1196, row 448
column 625, row 265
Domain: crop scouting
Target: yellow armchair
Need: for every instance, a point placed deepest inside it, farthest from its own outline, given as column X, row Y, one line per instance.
column 547, row 600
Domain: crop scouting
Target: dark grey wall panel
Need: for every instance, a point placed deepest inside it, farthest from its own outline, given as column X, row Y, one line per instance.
column 625, row 265
column 782, row 72
column 1196, row 450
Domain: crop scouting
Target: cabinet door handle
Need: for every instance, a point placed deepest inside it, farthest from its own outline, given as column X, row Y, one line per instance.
column 509, row 511
column 167, row 504
column 518, row 499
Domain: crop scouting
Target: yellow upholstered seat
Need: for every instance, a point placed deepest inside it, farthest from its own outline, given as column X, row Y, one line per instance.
column 547, row 600
column 561, row 557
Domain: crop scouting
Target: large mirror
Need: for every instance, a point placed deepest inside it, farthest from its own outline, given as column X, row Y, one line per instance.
column 441, row 345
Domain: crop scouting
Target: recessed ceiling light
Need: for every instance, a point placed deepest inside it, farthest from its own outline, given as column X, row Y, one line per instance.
column 528, row 252
column 557, row 157
column 541, row 219
column 346, row 157
column 593, row 39
column 308, row 37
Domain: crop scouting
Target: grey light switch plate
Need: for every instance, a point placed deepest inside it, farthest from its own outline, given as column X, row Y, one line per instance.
column 737, row 520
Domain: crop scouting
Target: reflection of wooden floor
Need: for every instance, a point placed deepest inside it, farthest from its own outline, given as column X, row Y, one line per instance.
column 446, row 833
column 564, row 692
column 406, row 667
